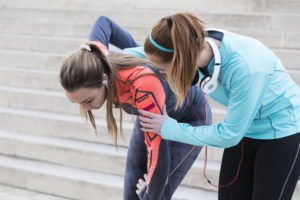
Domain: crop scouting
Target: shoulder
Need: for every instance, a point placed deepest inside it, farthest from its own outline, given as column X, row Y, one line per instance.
column 136, row 51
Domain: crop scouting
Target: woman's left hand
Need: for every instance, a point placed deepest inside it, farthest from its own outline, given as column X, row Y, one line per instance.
column 152, row 122
column 141, row 184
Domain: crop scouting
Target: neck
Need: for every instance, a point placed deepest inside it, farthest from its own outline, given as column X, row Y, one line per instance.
column 206, row 54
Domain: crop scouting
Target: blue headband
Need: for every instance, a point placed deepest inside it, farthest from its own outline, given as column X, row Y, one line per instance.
column 158, row 46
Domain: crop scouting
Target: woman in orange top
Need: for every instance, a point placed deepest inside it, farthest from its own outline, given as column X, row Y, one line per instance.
column 91, row 76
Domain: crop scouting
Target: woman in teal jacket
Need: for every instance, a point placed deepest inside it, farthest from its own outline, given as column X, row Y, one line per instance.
column 263, row 104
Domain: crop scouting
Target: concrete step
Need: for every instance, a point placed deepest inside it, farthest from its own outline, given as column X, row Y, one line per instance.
column 243, row 6
column 71, row 182
column 59, row 180
column 147, row 18
column 278, row 6
column 236, row 5
column 46, row 44
column 48, row 29
column 59, row 4
column 40, row 100
column 89, row 156
column 292, row 39
column 16, row 193
column 29, row 78
column 40, row 43
column 76, row 154
column 52, row 44
column 58, row 125
column 295, row 74
column 289, row 58
column 33, row 60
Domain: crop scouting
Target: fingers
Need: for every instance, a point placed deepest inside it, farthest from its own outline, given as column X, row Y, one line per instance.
column 141, row 181
column 145, row 119
column 148, row 114
column 145, row 125
column 141, row 184
column 148, row 130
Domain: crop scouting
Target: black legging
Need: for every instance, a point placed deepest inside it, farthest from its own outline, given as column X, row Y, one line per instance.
column 270, row 169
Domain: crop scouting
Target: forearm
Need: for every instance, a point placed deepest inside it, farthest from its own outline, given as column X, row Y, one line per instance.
column 215, row 136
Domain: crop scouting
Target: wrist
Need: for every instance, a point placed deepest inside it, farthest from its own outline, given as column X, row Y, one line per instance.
column 165, row 129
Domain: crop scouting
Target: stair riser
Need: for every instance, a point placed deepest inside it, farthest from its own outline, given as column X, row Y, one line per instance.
column 59, row 128
column 75, row 189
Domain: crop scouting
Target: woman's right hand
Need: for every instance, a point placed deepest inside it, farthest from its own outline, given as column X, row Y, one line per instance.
column 152, row 122
column 141, row 184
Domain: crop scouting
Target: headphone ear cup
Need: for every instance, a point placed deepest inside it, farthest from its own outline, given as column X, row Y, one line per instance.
column 204, row 81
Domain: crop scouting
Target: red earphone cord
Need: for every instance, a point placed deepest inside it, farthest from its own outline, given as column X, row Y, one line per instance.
column 205, row 157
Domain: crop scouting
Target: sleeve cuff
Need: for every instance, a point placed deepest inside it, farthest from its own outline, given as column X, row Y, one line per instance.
column 166, row 128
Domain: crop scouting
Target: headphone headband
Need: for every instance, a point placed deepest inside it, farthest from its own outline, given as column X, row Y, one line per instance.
column 209, row 84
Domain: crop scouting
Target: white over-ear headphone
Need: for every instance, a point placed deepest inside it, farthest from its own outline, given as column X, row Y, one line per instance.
column 209, row 83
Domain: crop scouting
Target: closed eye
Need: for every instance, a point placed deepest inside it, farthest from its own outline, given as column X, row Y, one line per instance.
column 89, row 101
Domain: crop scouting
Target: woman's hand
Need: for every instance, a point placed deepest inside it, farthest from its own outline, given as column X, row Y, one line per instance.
column 152, row 122
column 141, row 184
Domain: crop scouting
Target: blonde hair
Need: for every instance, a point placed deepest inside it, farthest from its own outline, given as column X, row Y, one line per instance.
column 184, row 33
column 85, row 68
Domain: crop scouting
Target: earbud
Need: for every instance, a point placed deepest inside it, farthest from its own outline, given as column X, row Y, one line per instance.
column 104, row 82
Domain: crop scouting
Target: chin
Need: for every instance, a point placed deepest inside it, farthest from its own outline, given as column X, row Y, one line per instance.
column 97, row 107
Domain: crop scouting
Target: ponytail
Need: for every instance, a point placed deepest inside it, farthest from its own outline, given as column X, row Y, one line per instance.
column 184, row 34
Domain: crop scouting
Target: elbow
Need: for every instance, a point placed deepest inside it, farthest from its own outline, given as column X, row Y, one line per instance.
column 232, row 141
column 230, row 136
column 103, row 20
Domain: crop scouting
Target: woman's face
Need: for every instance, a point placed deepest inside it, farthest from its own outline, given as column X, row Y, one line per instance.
column 88, row 98
column 162, row 67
